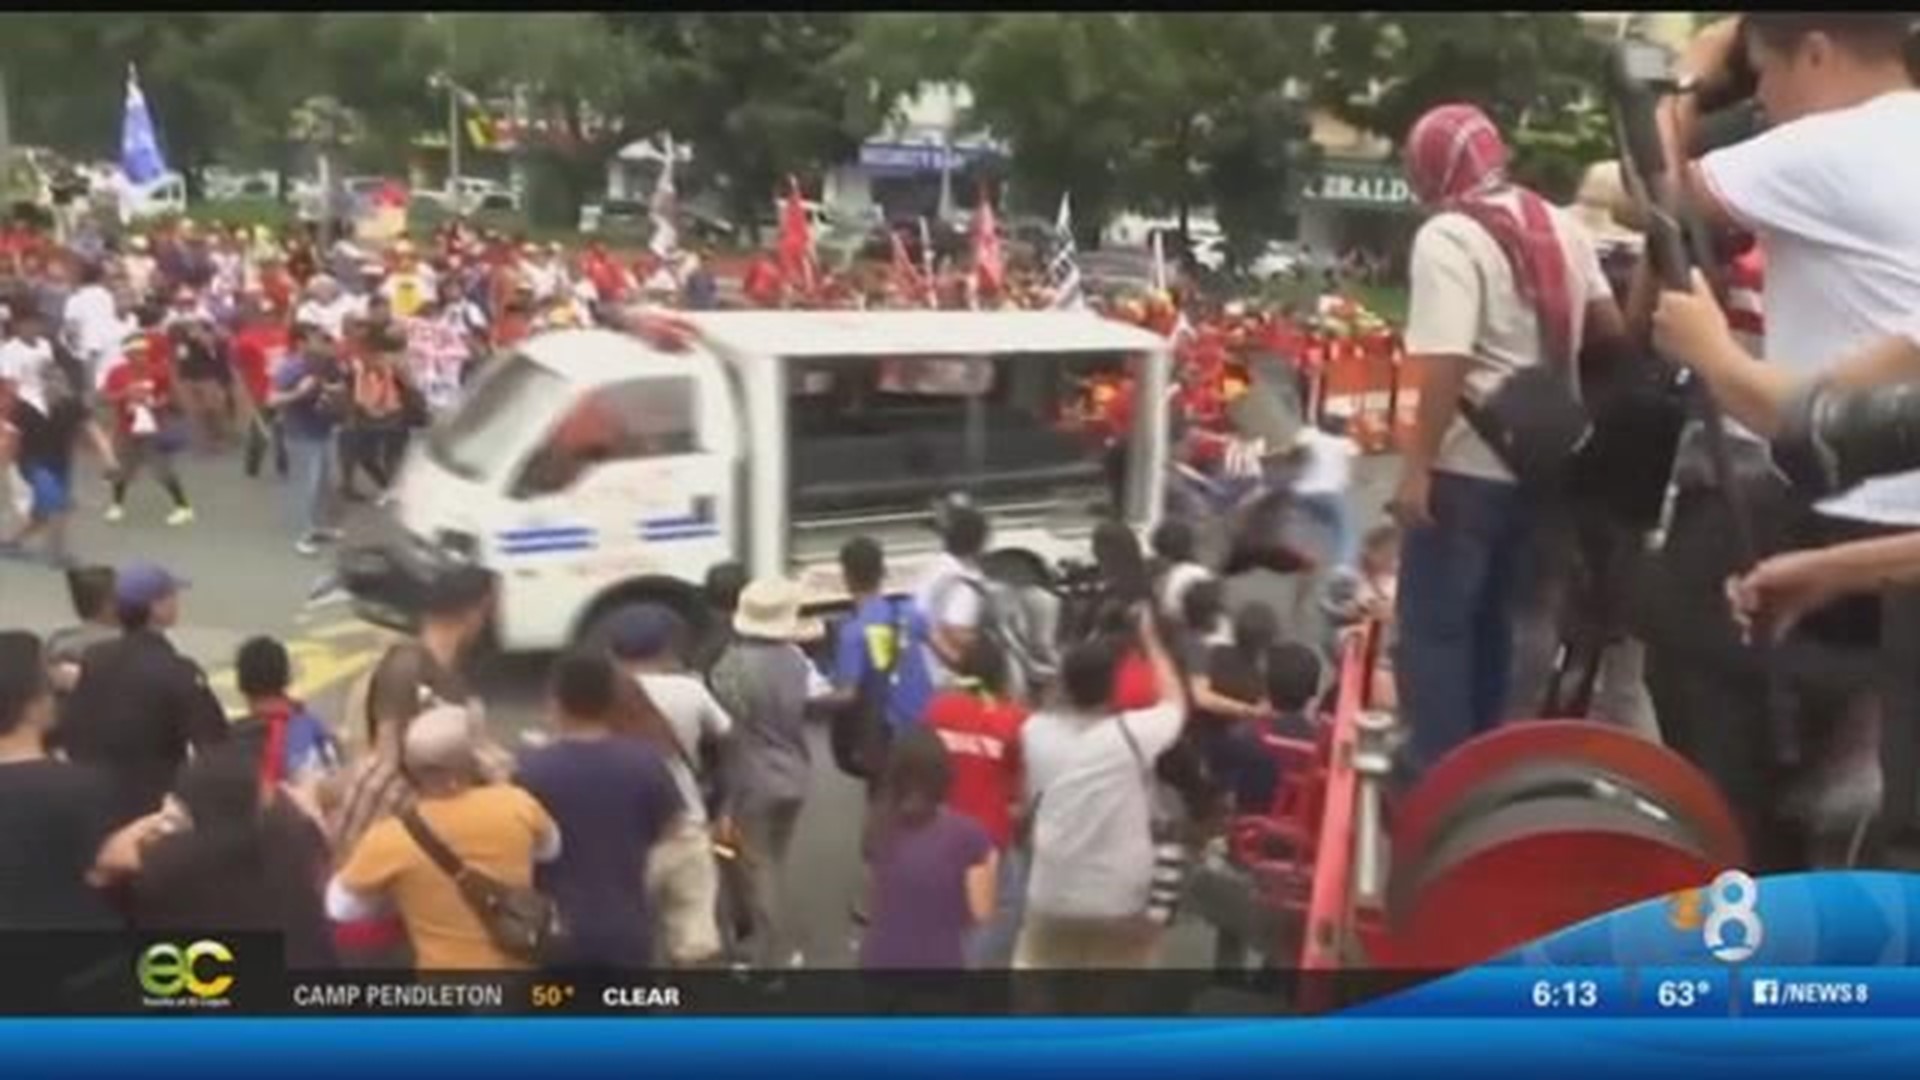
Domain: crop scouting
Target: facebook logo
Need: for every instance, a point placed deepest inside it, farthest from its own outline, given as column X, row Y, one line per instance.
column 1766, row 992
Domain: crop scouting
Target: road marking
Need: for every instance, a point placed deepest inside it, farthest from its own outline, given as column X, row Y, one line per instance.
column 338, row 628
column 319, row 666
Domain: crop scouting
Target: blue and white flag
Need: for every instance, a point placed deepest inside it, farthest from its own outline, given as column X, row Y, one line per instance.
column 140, row 157
column 1063, row 271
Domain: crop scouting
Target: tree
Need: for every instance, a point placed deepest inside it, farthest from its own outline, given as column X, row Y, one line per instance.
column 1222, row 125
column 222, row 86
column 758, row 97
column 1158, row 111
column 1381, row 71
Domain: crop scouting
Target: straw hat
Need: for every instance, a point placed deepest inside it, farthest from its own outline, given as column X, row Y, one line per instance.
column 770, row 609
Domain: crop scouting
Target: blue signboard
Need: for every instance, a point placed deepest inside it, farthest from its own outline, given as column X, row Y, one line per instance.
column 905, row 158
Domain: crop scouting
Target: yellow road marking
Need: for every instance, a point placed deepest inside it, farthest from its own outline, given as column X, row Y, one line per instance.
column 319, row 666
column 339, row 628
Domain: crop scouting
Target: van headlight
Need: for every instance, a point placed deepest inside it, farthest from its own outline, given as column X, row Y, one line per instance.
column 460, row 546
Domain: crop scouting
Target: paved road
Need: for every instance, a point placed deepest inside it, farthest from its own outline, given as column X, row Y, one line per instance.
column 248, row 580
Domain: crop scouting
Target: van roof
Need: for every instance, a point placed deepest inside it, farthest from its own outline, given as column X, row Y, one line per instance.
column 889, row 333
column 591, row 355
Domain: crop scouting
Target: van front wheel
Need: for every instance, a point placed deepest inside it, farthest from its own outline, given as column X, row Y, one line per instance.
column 682, row 598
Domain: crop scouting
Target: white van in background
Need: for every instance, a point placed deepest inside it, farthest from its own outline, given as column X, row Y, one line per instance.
column 164, row 196
column 593, row 468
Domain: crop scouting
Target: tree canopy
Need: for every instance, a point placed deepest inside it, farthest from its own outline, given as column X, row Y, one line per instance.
column 1157, row 111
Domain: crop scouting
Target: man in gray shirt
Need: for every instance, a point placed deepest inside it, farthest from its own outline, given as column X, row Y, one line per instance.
column 764, row 682
column 1090, row 786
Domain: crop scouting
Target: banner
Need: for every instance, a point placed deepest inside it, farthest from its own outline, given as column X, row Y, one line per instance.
column 437, row 354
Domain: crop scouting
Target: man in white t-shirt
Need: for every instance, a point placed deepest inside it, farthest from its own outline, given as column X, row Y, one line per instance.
column 951, row 597
column 1089, row 780
column 1324, row 482
column 1828, row 189
column 1501, row 282
column 328, row 306
column 26, row 357
column 92, row 320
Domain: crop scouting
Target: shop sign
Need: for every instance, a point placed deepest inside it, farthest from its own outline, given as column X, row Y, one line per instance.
column 1350, row 188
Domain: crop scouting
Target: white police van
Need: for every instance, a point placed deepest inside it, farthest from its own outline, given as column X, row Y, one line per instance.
column 592, row 468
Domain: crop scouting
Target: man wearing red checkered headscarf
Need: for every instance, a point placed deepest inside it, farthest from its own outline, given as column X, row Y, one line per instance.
column 1501, row 283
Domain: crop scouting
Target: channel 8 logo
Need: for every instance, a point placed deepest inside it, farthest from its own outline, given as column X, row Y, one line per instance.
column 1730, row 927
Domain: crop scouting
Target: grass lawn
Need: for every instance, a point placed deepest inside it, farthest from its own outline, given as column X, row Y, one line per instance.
column 1387, row 301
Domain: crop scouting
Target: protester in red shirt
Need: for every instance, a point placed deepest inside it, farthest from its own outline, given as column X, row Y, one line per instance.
column 601, row 269
column 763, row 283
column 140, row 388
column 980, row 727
column 259, row 345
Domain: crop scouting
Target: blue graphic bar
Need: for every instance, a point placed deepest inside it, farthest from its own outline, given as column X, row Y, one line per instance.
column 1834, row 993
column 1511, row 992
column 908, row 1049
column 1690, row 992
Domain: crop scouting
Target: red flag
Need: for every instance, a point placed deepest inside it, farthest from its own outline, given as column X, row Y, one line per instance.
column 796, row 241
column 906, row 280
column 989, row 270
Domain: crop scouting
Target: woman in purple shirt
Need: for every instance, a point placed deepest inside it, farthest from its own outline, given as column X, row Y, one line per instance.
column 933, row 870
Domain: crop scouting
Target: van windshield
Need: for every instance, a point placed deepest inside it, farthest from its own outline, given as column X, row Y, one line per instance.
column 878, row 435
column 479, row 439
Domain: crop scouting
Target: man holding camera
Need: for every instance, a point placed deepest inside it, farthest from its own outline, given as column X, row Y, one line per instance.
column 1828, row 191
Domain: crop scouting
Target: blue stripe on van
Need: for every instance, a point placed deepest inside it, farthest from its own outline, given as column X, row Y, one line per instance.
column 658, row 535
column 547, row 547
column 674, row 522
column 558, row 532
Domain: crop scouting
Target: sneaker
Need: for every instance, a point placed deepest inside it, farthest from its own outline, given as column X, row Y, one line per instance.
column 307, row 547
column 328, row 536
column 182, row 515
column 116, row 512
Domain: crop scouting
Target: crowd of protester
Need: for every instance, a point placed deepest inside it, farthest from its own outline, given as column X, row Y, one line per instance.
column 1030, row 804
column 1011, row 820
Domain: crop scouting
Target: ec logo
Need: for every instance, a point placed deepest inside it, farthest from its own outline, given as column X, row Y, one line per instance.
column 167, row 971
column 1729, row 904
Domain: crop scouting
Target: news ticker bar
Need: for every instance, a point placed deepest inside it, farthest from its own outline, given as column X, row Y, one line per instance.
column 1679, row 992
column 1485, row 993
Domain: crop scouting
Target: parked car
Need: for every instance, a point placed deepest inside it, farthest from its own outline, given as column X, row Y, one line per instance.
column 630, row 221
column 949, row 240
column 227, row 185
column 164, row 196
column 1277, row 260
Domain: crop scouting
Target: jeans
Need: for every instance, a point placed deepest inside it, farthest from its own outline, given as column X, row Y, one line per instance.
column 311, row 459
column 991, row 946
column 1455, row 611
column 1330, row 511
column 263, row 434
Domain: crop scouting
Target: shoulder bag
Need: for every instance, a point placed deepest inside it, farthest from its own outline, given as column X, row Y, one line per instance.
column 522, row 922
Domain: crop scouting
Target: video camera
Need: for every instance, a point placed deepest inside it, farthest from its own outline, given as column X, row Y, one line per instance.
column 1837, row 438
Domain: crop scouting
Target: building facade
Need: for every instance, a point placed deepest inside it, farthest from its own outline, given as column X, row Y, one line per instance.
column 921, row 163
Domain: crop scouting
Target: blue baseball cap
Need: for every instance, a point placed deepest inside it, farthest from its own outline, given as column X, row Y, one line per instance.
column 142, row 584
column 643, row 631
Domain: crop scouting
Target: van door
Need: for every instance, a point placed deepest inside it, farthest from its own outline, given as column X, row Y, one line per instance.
column 632, row 482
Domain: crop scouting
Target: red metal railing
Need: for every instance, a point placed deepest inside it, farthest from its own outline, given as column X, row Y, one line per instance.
column 1330, row 917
